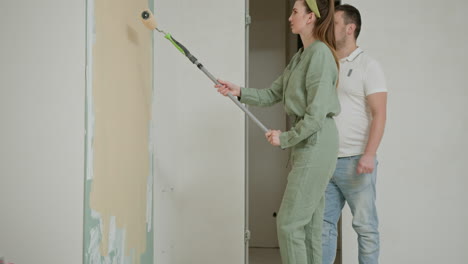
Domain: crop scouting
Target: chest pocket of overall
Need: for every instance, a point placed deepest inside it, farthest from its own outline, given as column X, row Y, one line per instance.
column 286, row 76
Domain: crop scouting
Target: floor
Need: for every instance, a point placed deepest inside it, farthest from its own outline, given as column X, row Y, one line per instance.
column 264, row 256
column 272, row 256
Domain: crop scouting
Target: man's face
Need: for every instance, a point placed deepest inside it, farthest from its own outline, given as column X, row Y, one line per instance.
column 340, row 29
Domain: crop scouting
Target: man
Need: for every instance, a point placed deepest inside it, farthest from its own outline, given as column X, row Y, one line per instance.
column 363, row 97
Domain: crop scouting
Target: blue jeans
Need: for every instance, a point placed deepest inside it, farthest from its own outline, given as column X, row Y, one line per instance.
column 359, row 191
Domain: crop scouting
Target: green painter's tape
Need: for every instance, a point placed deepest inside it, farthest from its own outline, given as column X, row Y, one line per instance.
column 169, row 37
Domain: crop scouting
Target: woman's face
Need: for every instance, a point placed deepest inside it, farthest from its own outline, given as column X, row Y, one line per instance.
column 299, row 19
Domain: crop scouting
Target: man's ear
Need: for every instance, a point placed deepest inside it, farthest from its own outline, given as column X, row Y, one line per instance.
column 350, row 29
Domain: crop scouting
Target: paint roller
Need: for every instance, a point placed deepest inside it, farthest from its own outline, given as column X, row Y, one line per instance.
column 150, row 22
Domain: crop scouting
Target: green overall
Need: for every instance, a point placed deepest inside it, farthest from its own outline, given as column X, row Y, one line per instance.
column 307, row 89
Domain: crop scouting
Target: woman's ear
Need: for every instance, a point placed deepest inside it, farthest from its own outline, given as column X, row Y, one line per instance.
column 311, row 18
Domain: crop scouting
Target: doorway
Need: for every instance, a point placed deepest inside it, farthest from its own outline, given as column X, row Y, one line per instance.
column 270, row 47
column 267, row 166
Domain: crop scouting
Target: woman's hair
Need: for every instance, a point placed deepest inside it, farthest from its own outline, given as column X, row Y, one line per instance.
column 324, row 28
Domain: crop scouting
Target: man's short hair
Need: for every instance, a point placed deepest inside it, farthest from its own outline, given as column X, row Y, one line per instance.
column 351, row 16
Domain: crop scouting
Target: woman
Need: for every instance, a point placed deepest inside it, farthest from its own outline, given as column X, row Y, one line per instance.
column 307, row 88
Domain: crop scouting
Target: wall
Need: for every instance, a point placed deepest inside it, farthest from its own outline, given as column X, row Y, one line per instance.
column 198, row 135
column 421, row 179
column 42, row 88
column 119, row 177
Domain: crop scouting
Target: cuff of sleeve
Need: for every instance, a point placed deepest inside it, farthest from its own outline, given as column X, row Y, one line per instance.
column 284, row 142
column 248, row 95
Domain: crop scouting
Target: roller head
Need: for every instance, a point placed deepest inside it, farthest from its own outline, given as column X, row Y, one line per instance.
column 148, row 19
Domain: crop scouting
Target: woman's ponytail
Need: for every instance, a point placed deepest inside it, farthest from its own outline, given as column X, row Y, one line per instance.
column 324, row 29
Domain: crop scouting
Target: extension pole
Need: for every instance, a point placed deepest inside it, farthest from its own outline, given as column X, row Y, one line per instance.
column 150, row 22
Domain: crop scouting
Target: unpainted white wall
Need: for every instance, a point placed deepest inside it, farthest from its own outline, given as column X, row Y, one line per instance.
column 422, row 178
column 198, row 134
column 42, row 87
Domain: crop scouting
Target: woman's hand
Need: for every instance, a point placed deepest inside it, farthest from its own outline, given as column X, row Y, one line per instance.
column 273, row 137
column 226, row 87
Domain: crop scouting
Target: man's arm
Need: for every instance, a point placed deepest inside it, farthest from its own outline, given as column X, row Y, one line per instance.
column 378, row 106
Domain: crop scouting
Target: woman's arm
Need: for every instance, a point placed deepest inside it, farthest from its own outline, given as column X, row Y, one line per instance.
column 263, row 97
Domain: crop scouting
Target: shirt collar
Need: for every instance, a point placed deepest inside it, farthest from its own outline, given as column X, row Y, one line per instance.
column 353, row 55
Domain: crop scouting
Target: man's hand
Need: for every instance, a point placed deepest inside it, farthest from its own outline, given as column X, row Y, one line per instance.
column 366, row 164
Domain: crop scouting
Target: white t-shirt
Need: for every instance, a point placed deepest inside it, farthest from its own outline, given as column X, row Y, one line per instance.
column 360, row 76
